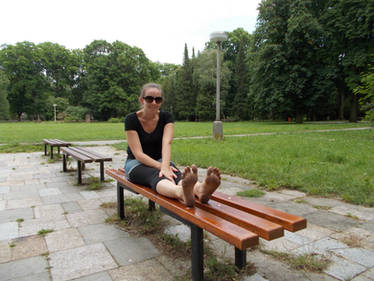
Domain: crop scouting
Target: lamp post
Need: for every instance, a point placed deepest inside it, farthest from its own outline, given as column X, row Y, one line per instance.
column 218, row 37
column 54, row 110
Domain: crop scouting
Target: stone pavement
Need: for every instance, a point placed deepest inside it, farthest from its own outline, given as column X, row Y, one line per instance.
column 35, row 195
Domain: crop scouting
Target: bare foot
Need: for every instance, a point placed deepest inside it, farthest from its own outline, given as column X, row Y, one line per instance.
column 209, row 185
column 189, row 179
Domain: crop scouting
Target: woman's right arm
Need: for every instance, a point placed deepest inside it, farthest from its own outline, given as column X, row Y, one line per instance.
column 136, row 149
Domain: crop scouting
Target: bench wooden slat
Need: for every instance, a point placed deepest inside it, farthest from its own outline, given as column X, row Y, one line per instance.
column 235, row 235
column 56, row 142
column 264, row 228
column 76, row 154
column 288, row 221
column 94, row 155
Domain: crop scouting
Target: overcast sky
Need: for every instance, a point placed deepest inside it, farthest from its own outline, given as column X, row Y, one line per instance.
column 160, row 27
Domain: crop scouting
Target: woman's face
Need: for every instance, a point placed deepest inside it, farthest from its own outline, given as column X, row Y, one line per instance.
column 152, row 98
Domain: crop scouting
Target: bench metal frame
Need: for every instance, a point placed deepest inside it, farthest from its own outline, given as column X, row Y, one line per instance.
column 52, row 143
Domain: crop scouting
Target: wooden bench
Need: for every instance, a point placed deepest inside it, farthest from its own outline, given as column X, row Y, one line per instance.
column 83, row 156
column 235, row 220
column 52, row 143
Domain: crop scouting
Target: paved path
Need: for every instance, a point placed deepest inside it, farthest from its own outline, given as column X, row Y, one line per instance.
column 36, row 195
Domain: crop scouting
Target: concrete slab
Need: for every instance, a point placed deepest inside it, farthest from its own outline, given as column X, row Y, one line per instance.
column 330, row 220
column 150, row 270
column 23, row 203
column 5, row 253
column 32, row 227
column 64, row 239
column 131, row 250
column 360, row 256
column 49, row 191
column 71, row 207
column 79, row 262
column 90, row 204
column 322, row 247
column 254, row 277
column 8, row 230
column 23, row 268
column 369, row 274
column 28, row 247
column 181, row 231
column 86, row 217
column 361, row 213
column 343, row 269
column 14, row 214
column 42, row 276
column 176, row 266
column 101, row 276
column 89, row 195
column 94, row 233
column 49, row 212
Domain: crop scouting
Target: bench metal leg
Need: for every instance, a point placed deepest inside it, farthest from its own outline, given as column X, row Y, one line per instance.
column 101, row 170
column 240, row 258
column 120, row 203
column 51, row 151
column 58, row 150
column 79, row 170
column 64, row 159
column 197, row 255
column 151, row 205
column 45, row 149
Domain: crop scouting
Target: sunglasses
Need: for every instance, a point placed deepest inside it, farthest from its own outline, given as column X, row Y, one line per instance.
column 150, row 99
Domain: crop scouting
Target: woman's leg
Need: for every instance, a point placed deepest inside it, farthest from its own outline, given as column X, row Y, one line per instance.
column 184, row 190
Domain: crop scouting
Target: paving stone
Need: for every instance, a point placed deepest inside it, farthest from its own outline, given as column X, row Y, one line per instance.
column 79, row 262
column 49, row 191
column 315, row 232
column 2, row 204
column 131, row 250
column 101, row 276
column 280, row 245
column 22, row 195
column 94, row 233
column 182, row 231
column 49, row 212
column 13, row 215
column 5, row 253
column 150, row 270
column 368, row 226
column 254, row 277
column 322, row 246
column 296, row 238
column 176, row 266
column 64, row 239
column 8, row 230
column 71, row 207
column 293, row 193
column 32, row 227
column 42, row 276
column 361, row 256
column 86, row 217
column 369, row 274
column 26, row 247
column 4, row 189
column 361, row 277
column 343, row 269
column 90, row 204
column 22, row 268
column 362, row 214
column 55, row 199
column 23, row 203
column 330, row 220
column 293, row 208
column 89, row 195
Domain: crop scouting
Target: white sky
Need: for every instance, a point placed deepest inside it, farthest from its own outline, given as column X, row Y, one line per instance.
column 160, row 28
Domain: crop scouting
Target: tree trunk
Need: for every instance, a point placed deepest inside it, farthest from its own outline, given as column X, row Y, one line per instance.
column 354, row 109
column 341, row 106
column 299, row 117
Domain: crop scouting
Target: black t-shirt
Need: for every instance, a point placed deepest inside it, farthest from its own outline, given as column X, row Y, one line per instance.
column 151, row 143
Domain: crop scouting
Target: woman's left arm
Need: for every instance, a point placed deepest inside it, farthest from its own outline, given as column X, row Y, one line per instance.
column 166, row 169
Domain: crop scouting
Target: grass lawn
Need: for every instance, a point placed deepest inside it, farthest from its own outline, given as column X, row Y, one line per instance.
column 32, row 132
column 326, row 164
column 339, row 163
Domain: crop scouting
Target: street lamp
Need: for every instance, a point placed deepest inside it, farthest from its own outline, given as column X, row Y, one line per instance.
column 54, row 109
column 218, row 37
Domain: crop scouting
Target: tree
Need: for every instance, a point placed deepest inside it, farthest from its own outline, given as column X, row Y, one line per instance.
column 28, row 89
column 4, row 104
column 366, row 91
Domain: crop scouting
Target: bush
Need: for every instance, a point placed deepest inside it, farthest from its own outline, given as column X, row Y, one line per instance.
column 114, row 120
column 75, row 113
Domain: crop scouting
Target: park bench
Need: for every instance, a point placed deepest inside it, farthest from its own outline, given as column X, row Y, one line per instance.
column 52, row 143
column 235, row 220
column 83, row 156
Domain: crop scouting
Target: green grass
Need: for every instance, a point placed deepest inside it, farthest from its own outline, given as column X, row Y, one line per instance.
column 32, row 132
column 326, row 164
column 251, row 193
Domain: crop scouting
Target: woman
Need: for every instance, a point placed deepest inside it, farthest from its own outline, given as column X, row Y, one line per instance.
column 149, row 134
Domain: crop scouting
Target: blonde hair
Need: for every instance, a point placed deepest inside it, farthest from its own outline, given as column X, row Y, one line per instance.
column 148, row 86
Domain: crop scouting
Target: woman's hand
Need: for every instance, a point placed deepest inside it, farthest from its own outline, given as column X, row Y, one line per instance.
column 168, row 172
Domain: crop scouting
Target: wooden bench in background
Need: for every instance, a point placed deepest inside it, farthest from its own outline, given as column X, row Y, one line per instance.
column 83, row 156
column 235, row 220
column 52, row 143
